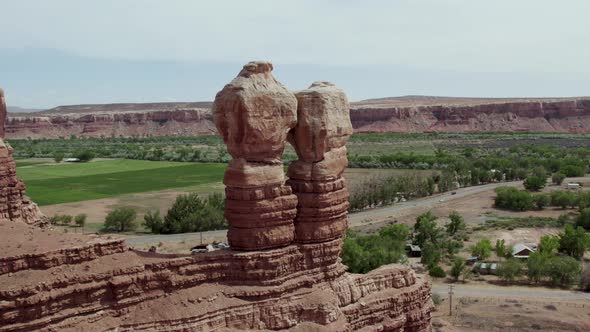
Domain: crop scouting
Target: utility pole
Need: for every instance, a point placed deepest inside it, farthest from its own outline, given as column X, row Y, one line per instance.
column 451, row 288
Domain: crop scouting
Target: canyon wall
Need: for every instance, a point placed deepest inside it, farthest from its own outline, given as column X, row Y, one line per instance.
column 569, row 115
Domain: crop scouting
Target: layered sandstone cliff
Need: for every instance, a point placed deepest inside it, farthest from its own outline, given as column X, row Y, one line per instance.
column 568, row 115
column 14, row 204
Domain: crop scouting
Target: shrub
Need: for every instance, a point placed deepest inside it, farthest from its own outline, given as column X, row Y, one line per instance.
column 437, row 272
column 85, row 155
column 535, row 183
column 482, row 249
column 574, row 241
column 436, row 298
column 58, row 157
column 120, row 220
column 513, row 199
column 558, row 178
column 572, row 170
column 457, row 268
column 583, row 219
column 509, row 269
column 563, row 271
column 190, row 213
column 542, row 200
column 430, row 254
column 457, row 223
column 153, row 221
column 80, row 219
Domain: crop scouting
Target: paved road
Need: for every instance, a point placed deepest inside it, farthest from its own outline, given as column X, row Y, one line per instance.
column 355, row 219
column 365, row 217
column 510, row 292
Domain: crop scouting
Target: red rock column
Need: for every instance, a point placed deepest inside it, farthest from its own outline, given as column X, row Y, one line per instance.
column 254, row 114
column 320, row 137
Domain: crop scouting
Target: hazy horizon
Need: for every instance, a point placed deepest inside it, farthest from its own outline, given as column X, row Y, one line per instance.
column 65, row 52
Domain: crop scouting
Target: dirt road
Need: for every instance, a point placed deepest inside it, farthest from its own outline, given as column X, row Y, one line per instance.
column 532, row 293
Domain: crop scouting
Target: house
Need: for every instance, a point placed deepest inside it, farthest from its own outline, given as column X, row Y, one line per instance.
column 522, row 251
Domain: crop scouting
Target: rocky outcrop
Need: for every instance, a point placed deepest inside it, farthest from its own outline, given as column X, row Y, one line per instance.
column 297, row 283
column 323, row 128
column 14, row 204
column 564, row 115
column 253, row 114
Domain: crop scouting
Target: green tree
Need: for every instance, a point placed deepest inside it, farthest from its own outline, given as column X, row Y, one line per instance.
column 535, row 183
column 80, row 219
column 457, row 268
column 563, row 271
column 537, row 266
column 153, row 221
column 563, row 199
column 85, row 155
column 572, row 170
column 58, row 157
column 509, row 269
column 66, row 219
column 558, row 178
column 574, row 241
column 120, row 220
column 437, row 272
column 426, row 229
column 583, row 219
column 482, row 249
column 396, row 232
column 430, row 254
column 548, row 245
column 456, row 224
column 542, row 200
column 540, row 172
column 501, row 249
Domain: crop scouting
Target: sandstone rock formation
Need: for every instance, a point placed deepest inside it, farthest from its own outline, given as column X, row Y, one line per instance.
column 254, row 114
column 53, row 281
column 102, row 286
column 14, row 204
column 323, row 128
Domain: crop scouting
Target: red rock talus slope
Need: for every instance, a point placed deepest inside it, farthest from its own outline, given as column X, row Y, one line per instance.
column 254, row 113
column 472, row 115
column 297, row 288
column 14, row 204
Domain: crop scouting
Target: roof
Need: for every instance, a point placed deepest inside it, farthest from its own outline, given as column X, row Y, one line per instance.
column 520, row 247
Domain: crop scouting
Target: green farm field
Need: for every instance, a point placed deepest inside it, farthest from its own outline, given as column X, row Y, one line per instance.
column 61, row 183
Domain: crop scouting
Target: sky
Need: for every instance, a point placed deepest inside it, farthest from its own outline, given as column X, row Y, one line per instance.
column 76, row 52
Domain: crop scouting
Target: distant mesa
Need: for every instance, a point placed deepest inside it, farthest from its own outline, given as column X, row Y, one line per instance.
column 406, row 114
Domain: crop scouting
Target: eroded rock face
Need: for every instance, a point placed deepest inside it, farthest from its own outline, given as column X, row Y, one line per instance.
column 320, row 137
column 253, row 114
column 2, row 112
column 14, row 204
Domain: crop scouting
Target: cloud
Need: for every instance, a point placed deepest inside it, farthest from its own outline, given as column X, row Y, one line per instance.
column 460, row 35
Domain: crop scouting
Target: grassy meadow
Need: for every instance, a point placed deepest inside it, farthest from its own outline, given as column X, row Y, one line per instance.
column 61, row 183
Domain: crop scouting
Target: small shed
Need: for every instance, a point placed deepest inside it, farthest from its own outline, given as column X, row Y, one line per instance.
column 413, row 250
column 522, row 251
column 486, row 268
column 572, row 185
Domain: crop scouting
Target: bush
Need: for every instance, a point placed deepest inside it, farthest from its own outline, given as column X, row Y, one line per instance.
column 583, row 219
column 563, row 271
column 558, row 178
column 513, row 199
column 572, row 170
column 120, row 220
column 61, row 219
column 436, row 299
column 85, row 155
column 190, row 213
column 80, row 219
column 457, row 223
column 563, row 198
column 535, row 183
column 542, row 200
column 509, row 269
column 457, row 268
column 437, row 272
column 430, row 254
column 482, row 249
column 153, row 221
column 363, row 253
column 58, row 157
column 574, row 241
